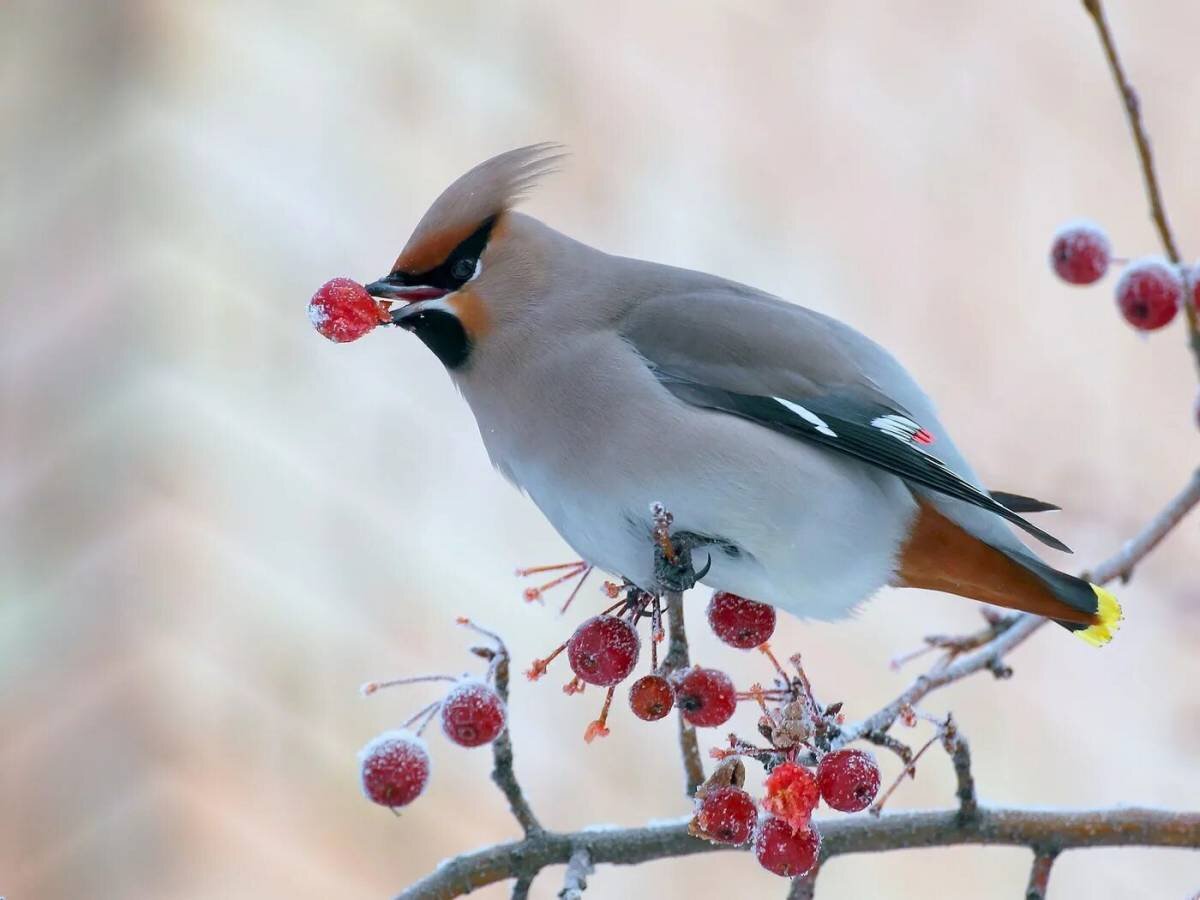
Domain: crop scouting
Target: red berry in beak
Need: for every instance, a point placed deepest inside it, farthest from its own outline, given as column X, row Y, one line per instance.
column 343, row 311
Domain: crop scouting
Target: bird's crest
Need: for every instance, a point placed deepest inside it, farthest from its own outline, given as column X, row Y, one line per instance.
column 482, row 193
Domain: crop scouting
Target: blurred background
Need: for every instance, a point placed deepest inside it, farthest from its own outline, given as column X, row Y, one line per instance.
column 216, row 524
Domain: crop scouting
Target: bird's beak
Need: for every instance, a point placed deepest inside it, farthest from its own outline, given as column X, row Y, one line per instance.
column 393, row 287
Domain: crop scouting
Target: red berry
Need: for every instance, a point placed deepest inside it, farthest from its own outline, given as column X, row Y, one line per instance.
column 651, row 697
column 705, row 697
column 727, row 816
column 740, row 622
column 849, row 780
column 1080, row 253
column 472, row 714
column 792, row 794
column 395, row 768
column 784, row 850
column 603, row 650
column 1148, row 294
column 342, row 310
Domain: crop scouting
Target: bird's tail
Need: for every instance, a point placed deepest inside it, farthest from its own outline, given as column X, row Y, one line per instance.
column 942, row 556
column 1101, row 611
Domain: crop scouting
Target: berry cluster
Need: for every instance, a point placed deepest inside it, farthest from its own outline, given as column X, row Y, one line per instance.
column 785, row 840
column 604, row 651
column 343, row 311
column 395, row 765
column 1149, row 293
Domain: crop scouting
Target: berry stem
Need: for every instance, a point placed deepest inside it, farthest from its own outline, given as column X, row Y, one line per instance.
column 372, row 686
column 1133, row 112
column 427, row 714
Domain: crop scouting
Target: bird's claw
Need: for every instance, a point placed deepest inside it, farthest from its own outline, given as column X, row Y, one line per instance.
column 678, row 574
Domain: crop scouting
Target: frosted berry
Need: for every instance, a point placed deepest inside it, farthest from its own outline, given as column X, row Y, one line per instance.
column 342, row 310
column 727, row 815
column 472, row 714
column 791, row 794
column 394, row 768
column 1080, row 253
column 740, row 622
column 849, row 780
column 1149, row 294
column 784, row 850
column 651, row 697
column 705, row 697
column 603, row 650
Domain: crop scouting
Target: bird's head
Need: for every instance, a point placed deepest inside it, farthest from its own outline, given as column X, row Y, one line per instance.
column 464, row 266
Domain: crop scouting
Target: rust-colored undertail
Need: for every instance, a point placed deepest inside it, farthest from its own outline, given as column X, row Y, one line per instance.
column 941, row 556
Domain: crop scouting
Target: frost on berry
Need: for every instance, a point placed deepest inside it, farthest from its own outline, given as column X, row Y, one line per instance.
column 394, row 768
column 1149, row 294
column 1080, row 253
column 343, row 311
column 472, row 713
column 784, row 850
column 849, row 780
column 651, row 697
column 792, row 794
column 740, row 622
column 725, row 815
column 705, row 697
column 603, row 650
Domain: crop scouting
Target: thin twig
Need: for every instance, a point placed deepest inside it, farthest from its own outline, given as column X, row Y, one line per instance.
column 960, row 755
column 1122, row 827
column 1120, row 565
column 521, row 887
column 1039, row 873
column 502, row 759
column 804, row 887
column 579, row 867
column 676, row 659
column 1133, row 112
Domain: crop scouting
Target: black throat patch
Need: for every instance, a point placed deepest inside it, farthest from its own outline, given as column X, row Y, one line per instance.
column 442, row 333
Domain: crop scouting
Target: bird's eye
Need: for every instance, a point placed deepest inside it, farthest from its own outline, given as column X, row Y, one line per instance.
column 463, row 269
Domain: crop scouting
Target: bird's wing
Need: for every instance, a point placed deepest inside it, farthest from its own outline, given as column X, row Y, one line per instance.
column 787, row 368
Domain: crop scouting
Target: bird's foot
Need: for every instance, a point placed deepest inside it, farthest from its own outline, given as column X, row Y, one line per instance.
column 673, row 566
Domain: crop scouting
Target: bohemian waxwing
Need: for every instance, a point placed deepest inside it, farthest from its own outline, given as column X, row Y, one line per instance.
column 801, row 462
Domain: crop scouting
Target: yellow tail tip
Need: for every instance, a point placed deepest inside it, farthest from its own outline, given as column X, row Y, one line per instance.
column 1108, row 613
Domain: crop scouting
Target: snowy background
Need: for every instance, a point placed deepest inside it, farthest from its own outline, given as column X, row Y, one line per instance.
column 215, row 524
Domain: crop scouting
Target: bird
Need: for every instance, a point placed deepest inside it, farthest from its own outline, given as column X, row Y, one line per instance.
column 799, row 460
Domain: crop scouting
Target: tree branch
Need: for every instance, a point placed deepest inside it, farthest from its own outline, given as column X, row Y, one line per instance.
column 502, row 756
column 1057, row 830
column 579, row 867
column 1133, row 111
column 804, row 887
column 1119, row 565
column 677, row 658
column 1039, row 873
